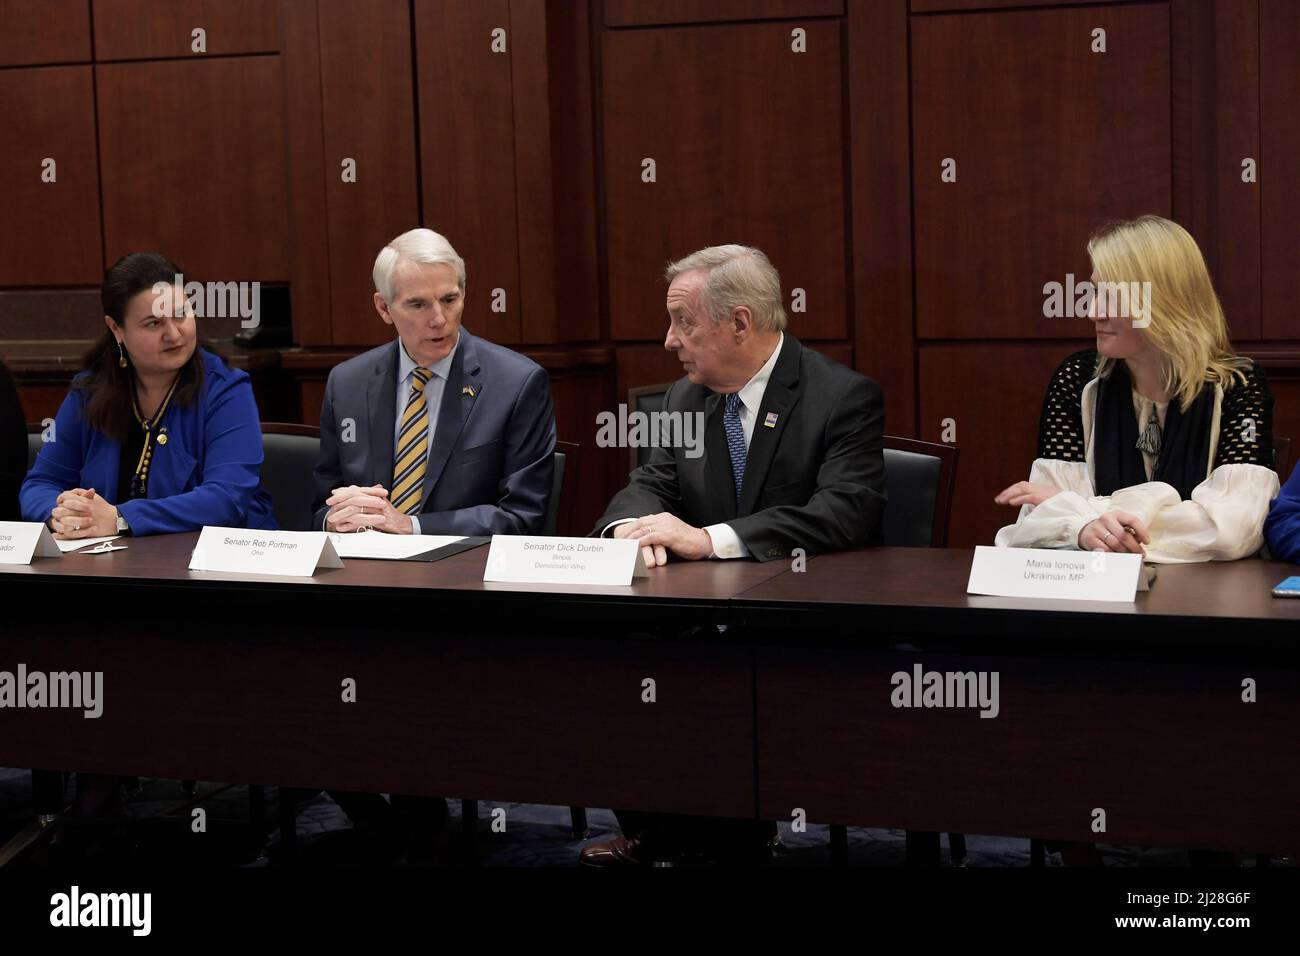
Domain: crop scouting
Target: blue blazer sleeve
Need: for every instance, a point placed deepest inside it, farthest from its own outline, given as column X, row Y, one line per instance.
column 58, row 465
column 228, row 493
column 1282, row 526
column 529, row 466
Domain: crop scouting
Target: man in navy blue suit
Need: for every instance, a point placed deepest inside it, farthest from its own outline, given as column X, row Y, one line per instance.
column 437, row 432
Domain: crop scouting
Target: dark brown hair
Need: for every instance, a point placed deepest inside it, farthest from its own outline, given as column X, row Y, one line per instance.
column 108, row 387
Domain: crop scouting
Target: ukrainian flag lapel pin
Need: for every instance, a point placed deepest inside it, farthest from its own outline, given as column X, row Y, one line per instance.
column 770, row 421
column 468, row 390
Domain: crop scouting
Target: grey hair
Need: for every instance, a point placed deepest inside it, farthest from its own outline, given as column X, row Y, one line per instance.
column 735, row 275
column 418, row 245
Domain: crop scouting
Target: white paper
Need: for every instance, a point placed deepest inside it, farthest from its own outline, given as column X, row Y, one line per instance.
column 242, row 551
column 1061, row 575
column 390, row 547
column 20, row 541
column 79, row 543
column 522, row 559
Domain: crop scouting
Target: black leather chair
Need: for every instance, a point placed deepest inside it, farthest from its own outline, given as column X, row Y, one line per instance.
column 288, row 465
column 919, row 480
column 34, row 442
column 551, row 520
column 647, row 398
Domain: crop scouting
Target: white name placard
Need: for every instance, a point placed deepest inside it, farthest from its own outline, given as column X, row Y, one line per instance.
column 294, row 553
column 520, row 559
column 20, row 541
column 1045, row 573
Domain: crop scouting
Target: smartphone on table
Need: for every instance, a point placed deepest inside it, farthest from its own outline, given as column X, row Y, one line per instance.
column 1288, row 588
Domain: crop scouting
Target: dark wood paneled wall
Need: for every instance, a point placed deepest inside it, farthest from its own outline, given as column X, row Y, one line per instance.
column 1216, row 97
column 49, row 115
column 191, row 158
column 1279, row 144
column 368, row 106
column 57, row 31
column 156, row 29
column 747, row 141
column 468, row 152
column 1045, row 141
column 815, row 129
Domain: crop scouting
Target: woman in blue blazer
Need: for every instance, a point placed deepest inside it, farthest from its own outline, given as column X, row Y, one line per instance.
column 156, row 435
column 1282, row 527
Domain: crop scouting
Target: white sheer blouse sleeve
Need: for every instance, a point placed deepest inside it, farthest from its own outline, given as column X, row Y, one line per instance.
column 1057, row 521
column 1222, row 521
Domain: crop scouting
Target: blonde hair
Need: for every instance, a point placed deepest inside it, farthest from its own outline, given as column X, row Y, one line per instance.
column 1186, row 320
column 734, row 276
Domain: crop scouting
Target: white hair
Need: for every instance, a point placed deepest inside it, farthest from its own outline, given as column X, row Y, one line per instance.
column 734, row 276
column 417, row 245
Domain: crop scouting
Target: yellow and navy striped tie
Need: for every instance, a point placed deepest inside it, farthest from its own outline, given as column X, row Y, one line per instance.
column 412, row 447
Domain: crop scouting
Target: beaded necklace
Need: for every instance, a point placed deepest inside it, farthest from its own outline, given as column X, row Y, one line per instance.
column 140, row 480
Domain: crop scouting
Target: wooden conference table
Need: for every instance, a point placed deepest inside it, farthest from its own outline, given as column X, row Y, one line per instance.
column 535, row 693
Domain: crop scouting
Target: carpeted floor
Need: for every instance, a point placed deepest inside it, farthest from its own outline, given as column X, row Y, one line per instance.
column 154, row 827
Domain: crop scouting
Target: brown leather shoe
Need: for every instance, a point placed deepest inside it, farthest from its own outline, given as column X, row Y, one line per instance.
column 619, row 851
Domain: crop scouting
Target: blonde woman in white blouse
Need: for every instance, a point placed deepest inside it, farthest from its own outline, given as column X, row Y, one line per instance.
column 1159, row 441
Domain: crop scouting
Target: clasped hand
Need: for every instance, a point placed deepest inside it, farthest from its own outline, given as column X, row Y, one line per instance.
column 354, row 508
column 80, row 513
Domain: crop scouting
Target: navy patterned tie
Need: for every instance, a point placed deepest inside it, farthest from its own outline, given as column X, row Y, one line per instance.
column 735, row 440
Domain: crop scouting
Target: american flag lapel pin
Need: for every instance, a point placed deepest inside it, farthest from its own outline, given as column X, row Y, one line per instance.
column 770, row 421
column 468, row 390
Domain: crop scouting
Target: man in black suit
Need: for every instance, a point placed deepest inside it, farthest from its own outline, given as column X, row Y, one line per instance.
column 792, row 454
